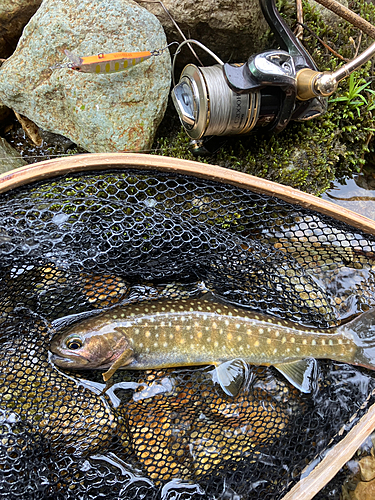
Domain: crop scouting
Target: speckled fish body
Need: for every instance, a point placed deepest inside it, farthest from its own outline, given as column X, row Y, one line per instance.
column 201, row 332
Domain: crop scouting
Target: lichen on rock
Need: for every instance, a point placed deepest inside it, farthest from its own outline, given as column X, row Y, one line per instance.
column 101, row 113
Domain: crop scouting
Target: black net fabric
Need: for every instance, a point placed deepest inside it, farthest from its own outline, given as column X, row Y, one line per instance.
column 83, row 243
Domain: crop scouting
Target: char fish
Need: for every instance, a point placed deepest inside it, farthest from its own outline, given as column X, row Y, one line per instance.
column 192, row 332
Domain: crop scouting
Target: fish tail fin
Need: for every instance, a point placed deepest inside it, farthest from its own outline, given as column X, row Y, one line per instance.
column 362, row 329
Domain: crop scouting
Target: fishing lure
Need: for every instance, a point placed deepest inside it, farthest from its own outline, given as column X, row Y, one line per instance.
column 109, row 63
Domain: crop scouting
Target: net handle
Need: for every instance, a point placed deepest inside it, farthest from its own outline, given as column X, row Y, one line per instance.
column 335, row 459
column 102, row 161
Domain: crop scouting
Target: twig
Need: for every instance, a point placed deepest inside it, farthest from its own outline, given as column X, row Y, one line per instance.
column 324, row 44
column 349, row 16
column 358, row 45
column 299, row 30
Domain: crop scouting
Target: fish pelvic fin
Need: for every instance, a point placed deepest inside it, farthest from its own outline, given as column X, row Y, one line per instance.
column 303, row 374
column 231, row 376
column 125, row 359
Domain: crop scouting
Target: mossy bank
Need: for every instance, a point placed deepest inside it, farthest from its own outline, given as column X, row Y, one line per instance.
column 309, row 155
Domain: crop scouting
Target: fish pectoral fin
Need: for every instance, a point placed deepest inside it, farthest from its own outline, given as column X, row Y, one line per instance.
column 125, row 359
column 302, row 373
column 231, row 376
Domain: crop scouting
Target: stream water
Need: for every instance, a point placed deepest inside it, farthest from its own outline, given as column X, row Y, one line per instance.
column 357, row 194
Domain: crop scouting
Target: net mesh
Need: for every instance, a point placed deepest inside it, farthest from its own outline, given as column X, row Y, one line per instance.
column 82, row 243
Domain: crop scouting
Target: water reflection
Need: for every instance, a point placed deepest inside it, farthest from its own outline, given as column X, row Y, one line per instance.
column 357, row 194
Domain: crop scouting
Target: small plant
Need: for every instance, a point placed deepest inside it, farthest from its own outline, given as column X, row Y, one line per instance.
column 353, row 97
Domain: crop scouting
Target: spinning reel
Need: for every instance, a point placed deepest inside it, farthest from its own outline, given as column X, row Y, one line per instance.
column 266, row 92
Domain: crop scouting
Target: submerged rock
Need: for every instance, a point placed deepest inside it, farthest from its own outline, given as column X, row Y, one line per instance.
column 9, row 157
column 98, row 112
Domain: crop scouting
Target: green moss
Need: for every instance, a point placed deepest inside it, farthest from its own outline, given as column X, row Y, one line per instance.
column 308, row 155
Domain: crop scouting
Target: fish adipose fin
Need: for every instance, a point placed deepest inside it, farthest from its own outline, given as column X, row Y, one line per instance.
column 231, row 376
column 125, row 359
column 302, row 374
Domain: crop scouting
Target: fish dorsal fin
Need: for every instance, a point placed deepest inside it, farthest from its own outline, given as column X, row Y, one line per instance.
column 125, row 359
column 302, row 373
column 231, row 376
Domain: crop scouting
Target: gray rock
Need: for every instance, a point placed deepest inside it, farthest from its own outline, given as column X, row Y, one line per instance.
column 14, row 15
column 233, row 29
column 9, row 157
column 101, row 113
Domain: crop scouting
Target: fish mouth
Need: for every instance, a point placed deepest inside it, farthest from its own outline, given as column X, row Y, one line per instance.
column 68, row 362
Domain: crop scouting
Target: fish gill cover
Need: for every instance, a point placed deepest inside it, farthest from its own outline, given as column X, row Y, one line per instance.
column 83, row 243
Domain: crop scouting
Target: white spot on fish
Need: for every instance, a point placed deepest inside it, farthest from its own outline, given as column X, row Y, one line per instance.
column 146, row 309
column 292, row 339
column 165, row 344
column 226, row 322
column 136, row 330
column 155, row 344
column 304, row 341
column 268, row 341
column 275, row 351
column 148, row 334
column 330, row 342
column 261, row 330
column 277, row 333
column 216, row 344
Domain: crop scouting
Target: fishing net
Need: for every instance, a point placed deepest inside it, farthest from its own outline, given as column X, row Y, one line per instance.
column 82, row 243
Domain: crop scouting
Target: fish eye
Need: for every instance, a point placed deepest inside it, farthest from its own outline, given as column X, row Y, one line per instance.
column 74, row 343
